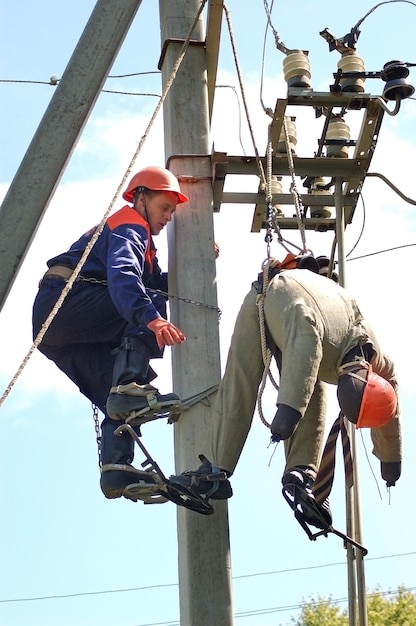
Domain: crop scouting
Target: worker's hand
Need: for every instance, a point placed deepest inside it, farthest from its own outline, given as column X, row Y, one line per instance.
column 166, row 333
column 390, row 472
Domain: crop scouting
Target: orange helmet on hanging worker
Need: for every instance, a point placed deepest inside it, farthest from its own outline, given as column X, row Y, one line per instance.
column 366, row 399
column 156, row 179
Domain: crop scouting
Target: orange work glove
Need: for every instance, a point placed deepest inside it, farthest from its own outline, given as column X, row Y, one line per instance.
column 166, row 333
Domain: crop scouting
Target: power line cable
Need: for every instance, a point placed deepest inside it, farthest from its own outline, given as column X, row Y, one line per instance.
column 362, row 228
column 239, row 113
column 390, row 184
column 161, row 586
column 293, row 607
column 363, row 256
column 358, row 24
column 54, row 82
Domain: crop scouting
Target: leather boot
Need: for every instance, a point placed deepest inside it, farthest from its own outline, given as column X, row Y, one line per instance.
column 131, row 394
column 117, row 452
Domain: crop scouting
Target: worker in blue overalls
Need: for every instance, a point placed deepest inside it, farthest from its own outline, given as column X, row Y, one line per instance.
column 114, row 318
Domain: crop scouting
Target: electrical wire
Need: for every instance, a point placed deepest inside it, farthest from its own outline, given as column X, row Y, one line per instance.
column 239, row 113
column 358, row 24
column 364, row 256
column 163, row 586
column 267, row 110
column 303, row 605
column 399, row 193
column 55, row 81
column 362, row 228
column 390, row 184
column 279, row 44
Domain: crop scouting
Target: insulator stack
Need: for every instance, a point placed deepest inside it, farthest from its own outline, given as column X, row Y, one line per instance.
column 397, row 87
column 292, row 136
column 351, row 62
column 275, row 188
column 296, row 69
column 318, row 188
column 339, row 133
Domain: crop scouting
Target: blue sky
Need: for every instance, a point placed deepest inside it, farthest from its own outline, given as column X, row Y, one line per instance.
column 70, row 557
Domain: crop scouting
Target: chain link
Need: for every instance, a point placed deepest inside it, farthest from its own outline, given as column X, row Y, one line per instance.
column 95, row 281
column 188, row 301
column 95, row 415
column 98, row 281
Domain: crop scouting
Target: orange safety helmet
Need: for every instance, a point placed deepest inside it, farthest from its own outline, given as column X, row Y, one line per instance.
column 156, row 179
column 366, row 399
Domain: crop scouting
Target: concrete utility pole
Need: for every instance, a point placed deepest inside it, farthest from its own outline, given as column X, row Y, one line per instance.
column 51, row 147
column 204, row 554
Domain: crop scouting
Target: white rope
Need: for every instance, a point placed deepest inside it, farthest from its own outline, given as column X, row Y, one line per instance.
column 266, row 352
column 293, row 189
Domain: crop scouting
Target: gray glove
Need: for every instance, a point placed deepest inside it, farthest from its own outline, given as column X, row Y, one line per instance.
column 390, row 472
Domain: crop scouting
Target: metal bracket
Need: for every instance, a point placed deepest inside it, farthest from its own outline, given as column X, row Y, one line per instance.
column 162, row 489
column 301, row 507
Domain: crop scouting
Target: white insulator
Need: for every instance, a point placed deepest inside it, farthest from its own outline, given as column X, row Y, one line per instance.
column 275, row 188
column 351, row 62
column 296, row 69
column 292, row 136
column 339, row 131
column 317, row 188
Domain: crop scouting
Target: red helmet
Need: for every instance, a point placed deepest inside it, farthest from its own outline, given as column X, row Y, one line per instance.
column 366, row 399
column 156, row 179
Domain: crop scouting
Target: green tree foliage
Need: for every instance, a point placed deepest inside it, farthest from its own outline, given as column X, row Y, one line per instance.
column 392, row 609
column 321, row 612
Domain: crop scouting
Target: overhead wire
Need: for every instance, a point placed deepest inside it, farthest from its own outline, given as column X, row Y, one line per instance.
column 303, row 605
column 239, row 113
column 279, row 44
column 390, row 184
column 362, row 227
column 358, row 24
column 55, row 81
column 267, row 110
column 166, row 585
column 242, row 90
column 399, row 193
column 364, row 256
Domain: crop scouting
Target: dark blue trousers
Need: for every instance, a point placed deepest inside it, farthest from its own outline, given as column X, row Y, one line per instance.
column 83, row 334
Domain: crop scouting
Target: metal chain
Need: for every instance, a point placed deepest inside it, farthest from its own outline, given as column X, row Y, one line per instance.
column 188, row 301
column 98, row 281
column 95, row 416
column 269, row 209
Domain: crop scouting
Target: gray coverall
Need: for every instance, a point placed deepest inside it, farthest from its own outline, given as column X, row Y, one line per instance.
column 315, row 323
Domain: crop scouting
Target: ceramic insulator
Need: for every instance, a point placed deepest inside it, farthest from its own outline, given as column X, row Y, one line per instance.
column 351, row 62
column 296, row 69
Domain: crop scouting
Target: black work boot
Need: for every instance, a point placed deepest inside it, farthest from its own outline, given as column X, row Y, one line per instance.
column 131, row 394
column 297, row 489
column 208, row 481
column 117, row 471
